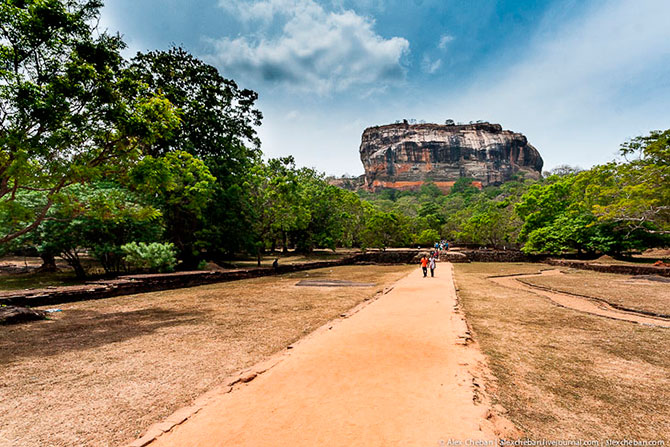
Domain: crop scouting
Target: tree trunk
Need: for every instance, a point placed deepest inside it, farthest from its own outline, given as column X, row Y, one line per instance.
column 72, row 258
column 285, row 246
column 79, row 271
column 48, row 263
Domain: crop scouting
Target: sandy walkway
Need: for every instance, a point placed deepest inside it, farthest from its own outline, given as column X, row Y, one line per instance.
column 393, row 374
column 580, row 303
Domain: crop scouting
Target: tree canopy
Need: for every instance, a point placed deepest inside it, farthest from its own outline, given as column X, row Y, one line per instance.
column 68, row 111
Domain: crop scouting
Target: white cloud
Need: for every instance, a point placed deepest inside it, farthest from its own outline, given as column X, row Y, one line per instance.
column 444, row 40
column 430, row 66
column 582, row 88
column 316, row 51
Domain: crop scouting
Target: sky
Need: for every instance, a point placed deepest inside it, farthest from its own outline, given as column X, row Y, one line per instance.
column 577, row 77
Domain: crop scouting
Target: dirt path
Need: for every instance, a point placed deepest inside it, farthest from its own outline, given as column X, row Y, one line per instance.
column 395, row 373
column 583, row 304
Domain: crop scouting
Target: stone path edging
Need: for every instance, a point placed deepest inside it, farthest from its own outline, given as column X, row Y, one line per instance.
column 132, row 284
column 246, row 375
column 404, row 369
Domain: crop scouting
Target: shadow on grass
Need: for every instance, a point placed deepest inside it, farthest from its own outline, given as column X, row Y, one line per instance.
column 79, row 330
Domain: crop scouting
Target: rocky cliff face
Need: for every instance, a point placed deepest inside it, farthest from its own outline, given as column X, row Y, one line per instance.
column 403, row 156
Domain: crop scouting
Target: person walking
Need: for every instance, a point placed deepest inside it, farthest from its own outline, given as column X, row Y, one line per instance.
column 431, row 264
column 424, row 265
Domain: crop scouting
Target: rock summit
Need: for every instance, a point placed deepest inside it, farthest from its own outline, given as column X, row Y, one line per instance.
column 404, row 156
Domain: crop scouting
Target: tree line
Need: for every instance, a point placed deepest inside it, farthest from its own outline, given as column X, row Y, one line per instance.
column 614, row 208
column 139, row 162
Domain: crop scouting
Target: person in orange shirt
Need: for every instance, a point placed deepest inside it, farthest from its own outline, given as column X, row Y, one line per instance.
column 424, row 266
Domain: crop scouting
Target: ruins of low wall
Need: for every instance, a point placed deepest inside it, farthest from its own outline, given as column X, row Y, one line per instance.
column 131, row 284
column 612, row 268
column 501, row 256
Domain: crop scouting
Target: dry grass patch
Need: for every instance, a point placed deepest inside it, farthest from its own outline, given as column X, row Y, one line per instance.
column 563, row 374
column 623, row 290
column 102, row 371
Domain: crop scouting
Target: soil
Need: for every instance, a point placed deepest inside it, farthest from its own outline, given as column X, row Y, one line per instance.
column 646, row 294
column 581, row 303
column 101, row 372
column 565, row 374
column 395, row 373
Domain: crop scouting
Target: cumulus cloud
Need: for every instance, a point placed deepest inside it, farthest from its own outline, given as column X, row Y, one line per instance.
column 315, row 50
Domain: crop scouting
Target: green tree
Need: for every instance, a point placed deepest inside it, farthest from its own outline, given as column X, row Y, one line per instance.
column 636, row 193
column 218, row 118
column 218, row 126
column 427, row 238
column 112, row 217
column 559, row 216
column 69, row 113
column 383, row 230
column 494, row 225
column 277, row 203
column 181, row 187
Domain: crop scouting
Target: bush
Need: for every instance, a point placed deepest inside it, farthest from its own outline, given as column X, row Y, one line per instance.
column 155, row 257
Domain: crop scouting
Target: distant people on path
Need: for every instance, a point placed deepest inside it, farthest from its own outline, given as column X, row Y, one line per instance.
column 431, row 264
column 424, row 266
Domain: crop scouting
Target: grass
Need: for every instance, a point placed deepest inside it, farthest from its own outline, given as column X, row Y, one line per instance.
column 291, row 258
column 35, row 280
column 102, row 371
column 563, row 374
column 19, row 281
column 636, row 294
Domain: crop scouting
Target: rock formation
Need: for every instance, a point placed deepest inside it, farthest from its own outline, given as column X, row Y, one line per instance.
column 404, row 156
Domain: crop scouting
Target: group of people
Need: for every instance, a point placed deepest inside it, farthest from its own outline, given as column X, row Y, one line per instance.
column 427, row 263
column 442, row 245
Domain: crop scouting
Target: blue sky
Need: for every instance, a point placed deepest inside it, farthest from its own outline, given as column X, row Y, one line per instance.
column 576, row 77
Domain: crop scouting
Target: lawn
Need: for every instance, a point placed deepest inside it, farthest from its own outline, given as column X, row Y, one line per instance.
column 563, row 374
column 623, row 290
column 102, row 371
column 18, row 273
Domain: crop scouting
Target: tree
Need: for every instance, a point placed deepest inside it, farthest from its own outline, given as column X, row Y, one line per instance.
column 636, row 193
column 218, row 121
column 68, row 113
column 181, row 186
column 384, row 230
column 218, row 118
column 494, row 225
column 559, row 216
column 277, row 203
column 563, row 170
column 114, row 216
column 427, row 238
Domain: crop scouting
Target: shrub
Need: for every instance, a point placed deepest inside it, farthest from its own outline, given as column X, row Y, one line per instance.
column 155, row 257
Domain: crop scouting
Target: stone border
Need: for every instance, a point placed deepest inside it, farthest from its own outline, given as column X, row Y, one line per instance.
column 132, row 284
column 612, row 268
column 240, row 378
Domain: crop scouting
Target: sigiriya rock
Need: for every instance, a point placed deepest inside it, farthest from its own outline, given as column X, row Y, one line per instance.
column 404, row 156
